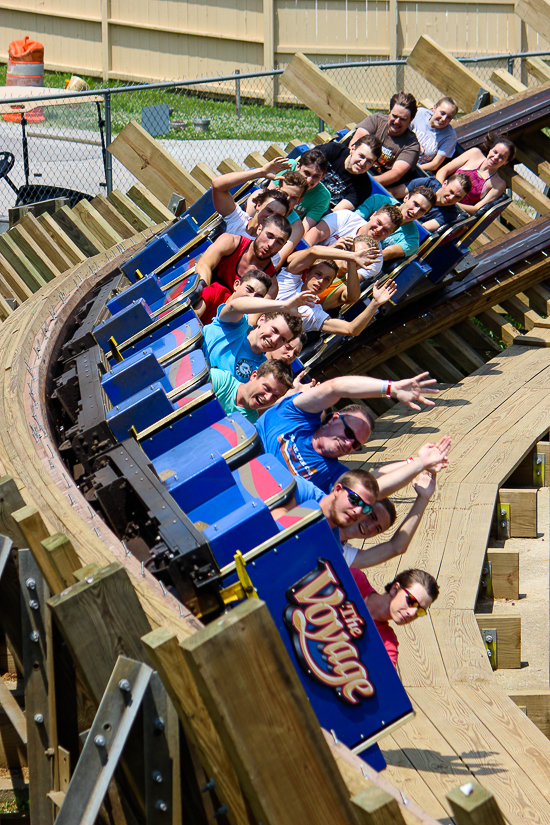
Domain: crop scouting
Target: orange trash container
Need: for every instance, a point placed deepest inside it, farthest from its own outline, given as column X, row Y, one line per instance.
column 26, row 68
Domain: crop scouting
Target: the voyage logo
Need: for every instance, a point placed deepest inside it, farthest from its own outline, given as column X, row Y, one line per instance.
column 323, row 622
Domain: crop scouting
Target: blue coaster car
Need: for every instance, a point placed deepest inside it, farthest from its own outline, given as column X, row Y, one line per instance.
column 143, row 369
column 349, row 678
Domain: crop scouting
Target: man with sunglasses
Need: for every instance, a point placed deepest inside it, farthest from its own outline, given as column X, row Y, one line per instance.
column 352, row 497
column 294, row 431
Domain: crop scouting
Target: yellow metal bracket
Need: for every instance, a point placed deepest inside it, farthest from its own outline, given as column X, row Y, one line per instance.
column 244, row 587
column 115, row 352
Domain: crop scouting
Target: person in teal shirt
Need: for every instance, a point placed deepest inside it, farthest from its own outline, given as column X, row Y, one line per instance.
column 316, row 201
column 265, row 387
column 405, row 240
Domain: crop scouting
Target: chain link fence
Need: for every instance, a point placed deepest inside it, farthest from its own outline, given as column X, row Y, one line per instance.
column 198, row 121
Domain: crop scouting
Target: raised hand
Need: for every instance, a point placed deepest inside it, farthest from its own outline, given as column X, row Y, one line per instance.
column 383, row 294
column 275, row 167
column 365, row 257
column 424, row 484
column 301, row 299
column 434, row 456
column 411, row 390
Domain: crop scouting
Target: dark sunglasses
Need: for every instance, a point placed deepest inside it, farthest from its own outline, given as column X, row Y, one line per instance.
column 413, row 602
column 348, row 432
column 356, row 500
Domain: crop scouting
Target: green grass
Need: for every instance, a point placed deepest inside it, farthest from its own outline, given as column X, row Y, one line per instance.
column 278, row 124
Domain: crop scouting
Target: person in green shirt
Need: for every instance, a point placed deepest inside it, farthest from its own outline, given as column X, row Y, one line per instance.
column 265, row 387
column 316, row 201
column 405, row 240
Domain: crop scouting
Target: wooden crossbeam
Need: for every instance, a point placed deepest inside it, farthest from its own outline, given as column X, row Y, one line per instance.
column 63, row 241
column 498, row 325
column 113, row 217
column 229, row 165
column 539, row 298
column 455, row 346
column 149, row 204
column 474, row 805
column 255, row 160
column 519, row 309
column 16, row 258
column 508, row 630
column 504, row 572
column 275, row 151
column 537, row 706
column 153, row 166
column 431, row 61
column 535, row 13
column 507, row 82
column 438, row 365
column 96, row 223
column 204, row 174
column 538, row 68
column 374, row 806
column 516, row 216
column 78, row 232
column 527, row 155
column 528, row 191
column 33, row 253
column 34, row 230
column 129, row 211
column 523, row 510
column 321, row 94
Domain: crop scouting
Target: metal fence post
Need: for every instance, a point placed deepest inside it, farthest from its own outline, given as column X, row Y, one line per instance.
column 108, row 139
column 511, row 64
column 321, row 125
column 238, row 93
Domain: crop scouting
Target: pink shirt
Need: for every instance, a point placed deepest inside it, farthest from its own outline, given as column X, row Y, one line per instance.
column 387, row 633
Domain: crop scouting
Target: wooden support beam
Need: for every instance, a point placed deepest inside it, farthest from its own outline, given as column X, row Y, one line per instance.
column 166, row 654
column 35, row 531
column 483, row 344
column 5, row 309
column 538, row 68
column 537, row 706
column 229, row 165
column 374, row 806
column 275, row 151
column 406, row 366
column 129, row 211
column 153, row 166
column 150, row 204
column 99, row 620
column 60, row 237
column 13, row 280
column 33, row 252
column 498, row 325
column 96, row 223
column 10, row 250
column 321, row 137
column 321, row 94
column 106, row 209
column 63, row 558
column 455, row 346
column 523, row 510
column 508, row 630
column 431, row 61
column 248, row 684
column 479, row 807
column 523, row 474
column 519, row 310
column 255, row 160
column 504, row 572
column 436, row 363
column 533, row 160
column 293, row 144
column 78, row 232
column 539, row 298
column 535, row 13
column 39, row 235
column 507, row 82
column 516, row 216
column 13, row 712
column 204, row 174
column 88, row 570
column 528, row 191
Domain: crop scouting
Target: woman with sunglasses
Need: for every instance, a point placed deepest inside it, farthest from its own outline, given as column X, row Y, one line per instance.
column 405, row 599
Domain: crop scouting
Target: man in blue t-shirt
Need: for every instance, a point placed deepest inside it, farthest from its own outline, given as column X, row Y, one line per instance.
column 231, row 344
column 444, row 211
column 293, row 430
column 405, row 240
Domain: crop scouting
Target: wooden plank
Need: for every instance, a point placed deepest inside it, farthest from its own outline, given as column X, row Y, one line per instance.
column 153, row 166
column 19, row 261
column 539, row 336
column 539, row 298
column 164, row 651
column 39, row 235
column 275, row 151
column 63, row 557
column 527, row 155
column 229, row 165
column 455, row 346
column 477, row 807
column 78, row 232
column 97, row 224
column 35, row 531
column 535, row 13
column 149, row 204
column 321, row 94
column 477, row 338
column 13, row 712
column 504, row 572
column 33, row 252
column 374, row 806
column 247, row 703
column 537, row 706
column 5, row 309
column 521, row 312
column 129, row 211
column 106, row 209
column 508, row 630
column 528, row 191
column 523, row 511
column 431, row 61
column 204, row 174
column 255, row 160
column 538, row 68
column 507, row 82
column 292, row 144
column 99, row 620
column 320, row 138
column 502, row 328
column 60, row 237
column 439, row 366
